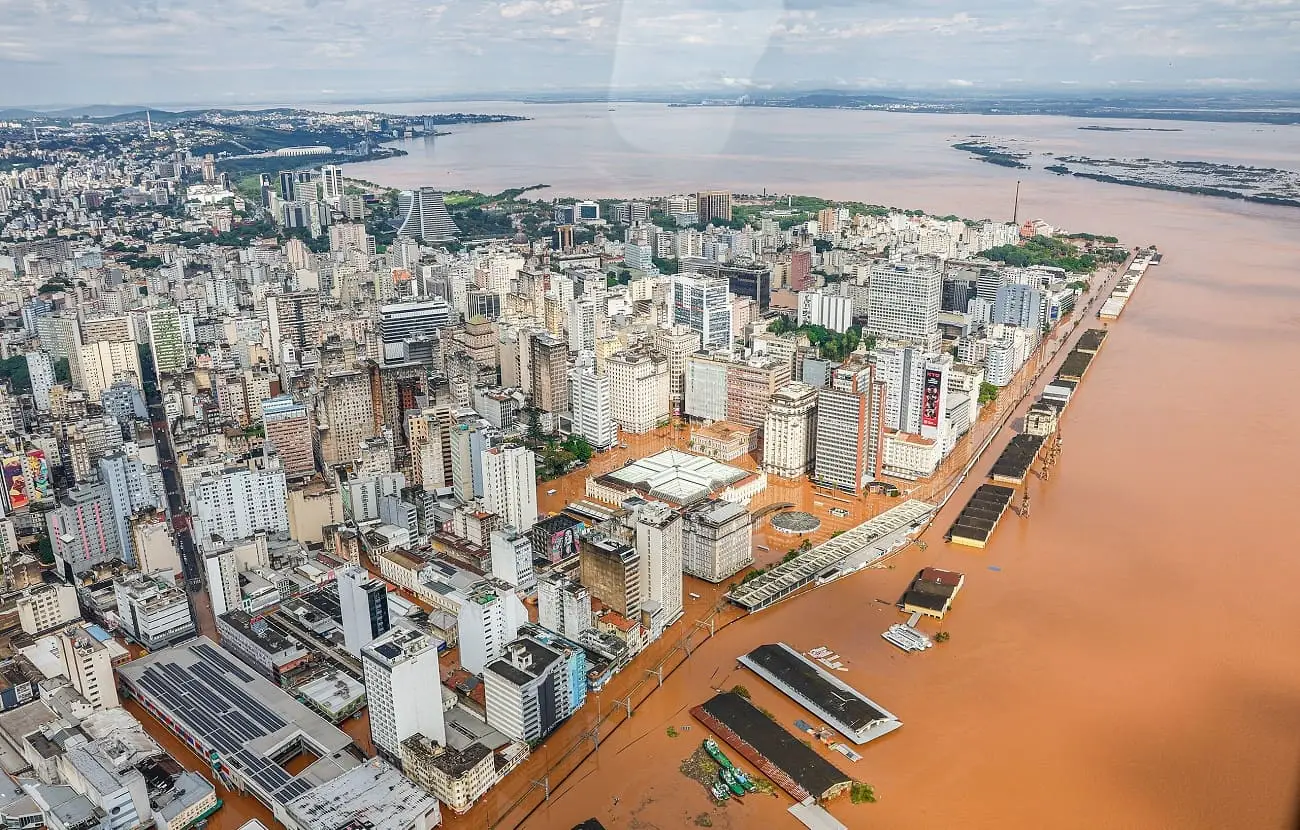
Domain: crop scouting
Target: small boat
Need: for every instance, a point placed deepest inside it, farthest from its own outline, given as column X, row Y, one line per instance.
column 745, row 780
column 716, row 753
column 728, row 777
column 720, row 792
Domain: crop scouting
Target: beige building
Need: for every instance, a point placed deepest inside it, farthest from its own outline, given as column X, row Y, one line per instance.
column 457, row 778
column 790, row 431
column 43, row 607
column 312, row 506
column 639, row 400
column 676, row 344
column 723, row 440
column 347, row 417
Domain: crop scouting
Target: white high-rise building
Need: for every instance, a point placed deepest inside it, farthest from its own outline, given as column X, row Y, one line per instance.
column 489, row 618
column 105, row 361
column 221, row 572
column 659, row 546
column 89, row 665
column 587, row 322
column 403, row 689
column 826, row 309
column 916, row 390
column 423, row 213
column 703, row 304
column 904, row 302
column 512, row 560
column 167, row 341
column 41, row 370
column 363, row 601
column 510, row 485
column 639, row 390
column 132, row 488
column 238, row 502
column 676, row 343
column 564, row 605
column 331, row 179
column 589, row 395
column 790, row 431
column 716, row 539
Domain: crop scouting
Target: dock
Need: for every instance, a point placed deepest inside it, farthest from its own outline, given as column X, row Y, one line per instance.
column 1128, row 283
column 847, row 710
column 1075, row 365
column 1014, row 463
column 1091, row 341
column 977, row 521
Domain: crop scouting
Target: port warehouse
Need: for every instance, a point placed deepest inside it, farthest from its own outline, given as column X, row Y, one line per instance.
column 786, row 578
column 853, row 715
column 779, row 755
column 1013, row 464
column 978, row 519
column 1123, row 291
column 932, row 592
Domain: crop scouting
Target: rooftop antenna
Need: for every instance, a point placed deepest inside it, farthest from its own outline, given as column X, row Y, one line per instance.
column 1015, row 211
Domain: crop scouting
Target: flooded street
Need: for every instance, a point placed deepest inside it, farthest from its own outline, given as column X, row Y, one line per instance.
column 1131, row 662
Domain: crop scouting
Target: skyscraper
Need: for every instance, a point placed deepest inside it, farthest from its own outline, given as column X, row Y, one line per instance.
column 790, row 431
column 512, row 559
column 510, row 485
column 702, row 304
column 331, row 179
column 548, row 363
column 916, row 390
column 489, row 618
column 676, row 343
column 423, row 213
column 713, row 204
column 801, row 269
column 349, row 417
column 904, row 302
column 717, row 539
column 403, row 689
column 82, row 530
column 167, row 341
column 41, row 370
column 639, row 388
column 363, row 601
column 294, row 321
column 659, row 546
column 590, row 393
column 849, row 427
column 289, row 433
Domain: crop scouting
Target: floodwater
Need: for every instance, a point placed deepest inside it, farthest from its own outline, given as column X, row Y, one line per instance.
column 1132, row 663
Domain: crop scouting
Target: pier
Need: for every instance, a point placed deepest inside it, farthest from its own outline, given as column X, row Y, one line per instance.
column 977, row 521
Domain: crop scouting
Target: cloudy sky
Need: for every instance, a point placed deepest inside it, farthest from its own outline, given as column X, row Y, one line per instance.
column 252, row 51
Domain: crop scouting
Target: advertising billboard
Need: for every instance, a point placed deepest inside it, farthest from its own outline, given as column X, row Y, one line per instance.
column 38, row 476
column 15, row 483
column 931, row 394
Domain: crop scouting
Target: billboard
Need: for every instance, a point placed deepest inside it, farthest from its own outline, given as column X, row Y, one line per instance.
column 15, row 483
column 931, row 395
column 38, row 476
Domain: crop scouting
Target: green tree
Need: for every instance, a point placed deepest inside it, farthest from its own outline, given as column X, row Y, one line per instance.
column 62, row 370
column 988, row 393
column 14, row 370
column 666, row 266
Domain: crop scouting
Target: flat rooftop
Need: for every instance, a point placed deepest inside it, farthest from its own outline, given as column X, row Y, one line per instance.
column 248, row 721
column 797, row 768
column 855, row 715
column 1015, row 461
column 373, row 795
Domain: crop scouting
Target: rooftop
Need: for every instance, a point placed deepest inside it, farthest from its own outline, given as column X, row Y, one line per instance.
column 677, row 476
column 374, row 796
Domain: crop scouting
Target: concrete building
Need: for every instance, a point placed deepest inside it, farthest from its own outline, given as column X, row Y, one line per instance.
column 45, row 606
column 512, row 559
column 153, row 613
column 529, row 690
column 850, row 426
column 548, row 365
column 288, row 432
column 40, row 368
column 702, row 304
column 790, row 431
column 167, row 341
column 827, row 309
column 639, row 389
column 904, row 302
column 132, row 488
column 717, row 540
column 510, row 485
column 591, row 396
column 740, row 391
column 105, row 362
column 612, row 571
column 916, row 389
column 294, row 325
column 564, row 605
column 82, row 530
column 423, row 214
column 489, row 618
column 239, row 502
column 676, row 343
column 403, row 689
column 713, row 204
column 363, row 601
column 221, row 574
column 659, row 554
column 88, row 663
column 347, row 417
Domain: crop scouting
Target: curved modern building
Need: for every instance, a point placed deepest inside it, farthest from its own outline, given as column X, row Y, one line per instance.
column 423, row 213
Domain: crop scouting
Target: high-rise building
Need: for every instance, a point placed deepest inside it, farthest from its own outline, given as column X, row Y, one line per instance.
column 586, row 320
column 827, row 309
column 221, row 574
column 612, row 571
column 104, row 362
column 659, row 549
column 289, row 433
column 167, row 341
column 530, row 689
column 789, row 432
column 801, row 269
column 294, row 321
column 239, row 502
column 676, row 343
column 400, row 323
column 717, row 539
column 349, row 417
column 403, row 686
column 331, row 179
column 713, row 204
column 82, row 530
column 423, row 214
column 916, row 390
column 510, row 485
column 469, row 442
column 41, row 370
column 719, row 388
column 702, row 304
column 132, row 488
column 904, row 302
column 639, row 389
column 88, row 664
column 489, row 618
column 1019, row 305
column 152, row 612
column 564, row 605
column 548, row 362
column 363, row 601
column 590, row 394
column 850, row 425
column 512, row 559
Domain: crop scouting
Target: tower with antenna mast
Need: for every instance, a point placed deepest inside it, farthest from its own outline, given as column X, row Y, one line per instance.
column 1015, row 210
column 148, row 124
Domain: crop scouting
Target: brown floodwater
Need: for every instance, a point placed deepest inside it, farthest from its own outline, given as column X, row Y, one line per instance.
column 1132, row 663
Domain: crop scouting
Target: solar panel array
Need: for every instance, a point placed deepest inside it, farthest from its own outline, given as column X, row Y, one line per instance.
column 223, row 716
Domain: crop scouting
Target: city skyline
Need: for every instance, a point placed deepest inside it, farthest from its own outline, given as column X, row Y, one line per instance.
column 150, row 53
